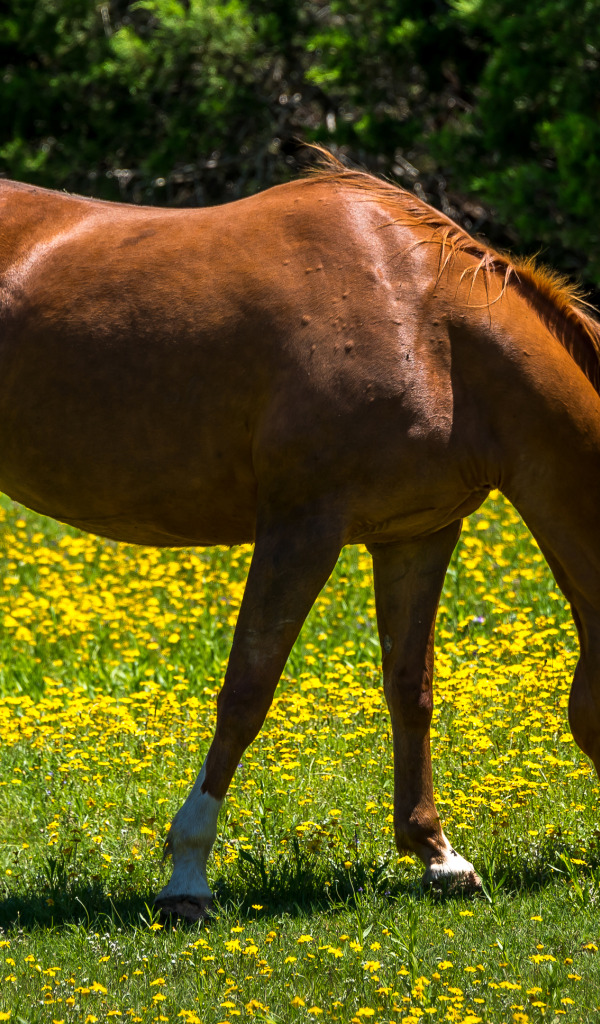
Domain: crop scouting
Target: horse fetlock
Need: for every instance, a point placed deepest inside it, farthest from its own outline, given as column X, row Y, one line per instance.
column 421, row 834
column 189, row 875
column 445, row 868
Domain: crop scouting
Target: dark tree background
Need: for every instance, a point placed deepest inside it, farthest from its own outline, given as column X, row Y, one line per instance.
column 490, row 109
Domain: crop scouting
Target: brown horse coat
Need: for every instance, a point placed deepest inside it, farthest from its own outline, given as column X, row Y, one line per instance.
column 329, row 362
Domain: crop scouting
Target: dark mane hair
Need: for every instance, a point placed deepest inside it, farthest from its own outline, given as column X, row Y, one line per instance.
column 558, row 302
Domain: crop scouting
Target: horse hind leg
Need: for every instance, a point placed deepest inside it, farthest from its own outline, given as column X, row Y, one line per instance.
column 408, row 582
column 291, row 563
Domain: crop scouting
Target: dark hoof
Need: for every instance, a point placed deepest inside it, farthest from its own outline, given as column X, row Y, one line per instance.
column 184, row 908
column 467, row 883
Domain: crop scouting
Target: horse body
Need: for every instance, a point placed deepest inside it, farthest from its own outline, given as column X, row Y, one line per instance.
column 326, row 363
column 159, row 367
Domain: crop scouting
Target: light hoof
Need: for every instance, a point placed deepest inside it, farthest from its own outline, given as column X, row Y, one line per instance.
column 184, row 908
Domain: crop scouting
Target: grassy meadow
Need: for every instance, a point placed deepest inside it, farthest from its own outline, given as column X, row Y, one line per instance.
column 110, row 662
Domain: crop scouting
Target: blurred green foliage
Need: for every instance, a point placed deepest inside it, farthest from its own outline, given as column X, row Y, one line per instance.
column 488, row 108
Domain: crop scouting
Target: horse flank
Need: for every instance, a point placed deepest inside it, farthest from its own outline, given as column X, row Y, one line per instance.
column 558, row 302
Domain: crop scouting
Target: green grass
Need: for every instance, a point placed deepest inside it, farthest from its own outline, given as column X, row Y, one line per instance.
column 110, row 662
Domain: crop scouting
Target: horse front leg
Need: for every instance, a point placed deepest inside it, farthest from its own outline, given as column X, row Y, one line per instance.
column 584, row 701
column 408, row 581
column 291, row 563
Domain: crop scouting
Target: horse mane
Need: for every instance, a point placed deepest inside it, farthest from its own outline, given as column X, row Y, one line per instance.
column 559, row 303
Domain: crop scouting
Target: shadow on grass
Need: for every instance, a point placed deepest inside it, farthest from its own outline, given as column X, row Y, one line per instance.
column 89, row 905
column 298, row 884
column 295, row 885
column 93, row 908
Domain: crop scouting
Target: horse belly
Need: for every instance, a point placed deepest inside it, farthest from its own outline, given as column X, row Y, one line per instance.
column 166, row 509
column 156, row 457
column 137, row 501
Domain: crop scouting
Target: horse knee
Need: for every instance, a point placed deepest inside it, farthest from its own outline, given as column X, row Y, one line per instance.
column 410, row 702
column 240, row 717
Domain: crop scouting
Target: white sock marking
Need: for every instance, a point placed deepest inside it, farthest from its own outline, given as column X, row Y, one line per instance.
column 191, row 836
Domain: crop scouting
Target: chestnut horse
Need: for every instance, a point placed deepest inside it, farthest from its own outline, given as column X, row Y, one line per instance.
column 327, row 363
